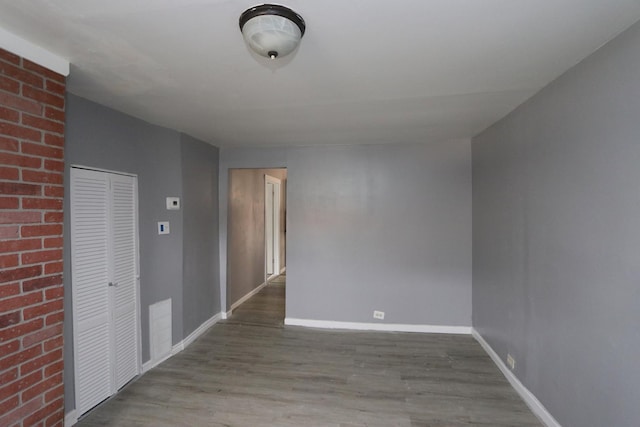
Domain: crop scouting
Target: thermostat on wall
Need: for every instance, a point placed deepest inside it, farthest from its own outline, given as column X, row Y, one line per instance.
column 173, row 203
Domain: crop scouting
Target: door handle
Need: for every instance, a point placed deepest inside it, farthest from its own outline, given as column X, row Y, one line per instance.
column 114, row 284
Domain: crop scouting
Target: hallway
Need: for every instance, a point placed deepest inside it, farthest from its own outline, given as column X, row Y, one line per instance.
column 265, row 308
column 250, row 370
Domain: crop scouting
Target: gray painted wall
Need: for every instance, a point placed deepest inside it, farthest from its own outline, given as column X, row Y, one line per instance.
column 556, row 208
column 384, row 227
column 246, row 245
column 201, row 271
column 102, row 138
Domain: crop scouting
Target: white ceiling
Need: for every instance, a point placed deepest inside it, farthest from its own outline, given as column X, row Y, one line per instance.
column 367, row 71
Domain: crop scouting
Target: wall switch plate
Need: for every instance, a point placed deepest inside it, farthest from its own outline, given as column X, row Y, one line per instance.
column 173, row 203
column 163, row 227
column 511, row 361
column 378, row 314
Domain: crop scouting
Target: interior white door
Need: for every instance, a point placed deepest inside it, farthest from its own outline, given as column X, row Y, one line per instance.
column 268, row 223
column 104, row 274
column 272, row 226
column 90, row 294
column 124, row 277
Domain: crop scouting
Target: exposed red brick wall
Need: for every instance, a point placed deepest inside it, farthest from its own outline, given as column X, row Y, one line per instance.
column 31, row 197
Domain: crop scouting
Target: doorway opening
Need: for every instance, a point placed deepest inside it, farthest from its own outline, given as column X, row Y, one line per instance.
column 256, row 233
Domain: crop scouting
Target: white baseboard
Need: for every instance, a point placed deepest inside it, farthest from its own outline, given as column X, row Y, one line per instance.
column 177, row 348
column 201, row 330
column 246, row 297
column 529, row 398
column 390, row 327
column 70, row 418
column 150, row 364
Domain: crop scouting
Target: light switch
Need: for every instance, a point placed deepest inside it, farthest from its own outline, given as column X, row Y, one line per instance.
column 163, row 227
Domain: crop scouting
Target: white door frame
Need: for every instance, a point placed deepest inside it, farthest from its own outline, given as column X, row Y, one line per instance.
column 276, row 225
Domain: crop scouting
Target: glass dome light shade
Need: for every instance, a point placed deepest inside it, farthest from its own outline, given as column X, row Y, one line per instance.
column 271, row 31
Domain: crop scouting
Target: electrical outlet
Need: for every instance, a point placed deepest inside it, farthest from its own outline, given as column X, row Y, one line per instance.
column 378, row 314
column 511, row 361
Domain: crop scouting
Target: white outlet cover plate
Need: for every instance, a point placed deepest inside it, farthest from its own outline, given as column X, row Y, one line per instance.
column 173, row 203
column 163, row 227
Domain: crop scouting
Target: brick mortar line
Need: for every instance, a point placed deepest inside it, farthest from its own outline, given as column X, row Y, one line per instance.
column 19, row 141
column 29, row 72
column 44, row 104
column 43, row 116
column 25, row 97
column 22, row 125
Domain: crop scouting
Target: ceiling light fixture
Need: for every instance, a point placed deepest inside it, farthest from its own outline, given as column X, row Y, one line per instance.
column 271, row 30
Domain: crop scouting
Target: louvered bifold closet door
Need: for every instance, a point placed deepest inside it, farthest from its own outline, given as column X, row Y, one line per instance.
column 90, row 291
column 104, row 284
column 124, row 252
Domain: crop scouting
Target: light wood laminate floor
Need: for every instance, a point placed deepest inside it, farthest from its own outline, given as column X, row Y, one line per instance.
column 252, row 371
